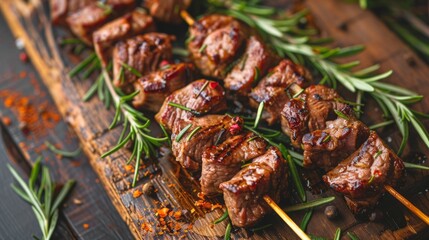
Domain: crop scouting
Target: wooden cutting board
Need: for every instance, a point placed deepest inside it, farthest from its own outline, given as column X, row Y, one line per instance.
column 175, row 189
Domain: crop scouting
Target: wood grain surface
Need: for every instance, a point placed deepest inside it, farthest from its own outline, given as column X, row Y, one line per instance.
column 344, row 22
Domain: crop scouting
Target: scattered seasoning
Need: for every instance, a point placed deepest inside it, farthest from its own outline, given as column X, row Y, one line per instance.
column 182, row 132
column 202, row 48
column 85, row 226
column 202, row 89
column 331, row 212
column 379, row 152
column 146, row 227
column 213, row 84
column 341, row 114
column 129, row 168
column 6, row 121
column 235, row 128
column 23, row 57
column 164, row 65
column 137, row 193
column 163, row 212
column 177, row 215
column 77, row 201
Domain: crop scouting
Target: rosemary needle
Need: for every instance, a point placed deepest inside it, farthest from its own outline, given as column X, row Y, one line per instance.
column 310, row 204
column 63, row 153
column 222, row 218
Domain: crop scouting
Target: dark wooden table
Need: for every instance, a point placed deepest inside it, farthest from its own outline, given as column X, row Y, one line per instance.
column 88, row 203
column 96, row 217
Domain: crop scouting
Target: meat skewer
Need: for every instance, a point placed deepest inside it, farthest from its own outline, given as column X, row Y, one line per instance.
column 334, row 104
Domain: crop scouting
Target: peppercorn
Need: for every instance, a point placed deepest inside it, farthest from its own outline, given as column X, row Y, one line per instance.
column 331, row 212
column 148, row 188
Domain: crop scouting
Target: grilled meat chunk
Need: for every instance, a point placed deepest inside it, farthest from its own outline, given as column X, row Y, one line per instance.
column 363, row 174
column 201, row 96
column 216, row 41
column 272, row 89
column 204, row 132
column 60, row 9
column 255, row 62
column 311, row 110
column 222, row 162
column 243, row 194
column 131, row 24
column 143, row 53
column 325, row 148
column 167, row 10
column 155, row 87
column 86, row 20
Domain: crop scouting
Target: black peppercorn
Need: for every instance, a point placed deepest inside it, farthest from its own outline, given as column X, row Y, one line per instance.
column 331, row 212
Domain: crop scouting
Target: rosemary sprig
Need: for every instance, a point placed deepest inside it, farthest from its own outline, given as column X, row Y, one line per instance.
column 61, row 152
column 310, row 204
column 285, row 36
column 135, row 128
column 41, row 197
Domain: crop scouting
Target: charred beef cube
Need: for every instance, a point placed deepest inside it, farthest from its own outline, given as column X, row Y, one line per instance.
column 155, row 87
column 363, row 174
column 143, row 54
column 310, row 111
column 216, row 42
column 201, row 96
column 272, row 89
column 60, row 9
column 325, row 148
column 85, row 21
column 254, row 64
column 222, row 162
column 243, row 194
column 167, row 10
column 202, row 133
column 131, row 24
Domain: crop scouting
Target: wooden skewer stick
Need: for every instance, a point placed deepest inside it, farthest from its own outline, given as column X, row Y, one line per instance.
column 407, row 204
column 286, row 218
column 188, row 18
column 190, row 21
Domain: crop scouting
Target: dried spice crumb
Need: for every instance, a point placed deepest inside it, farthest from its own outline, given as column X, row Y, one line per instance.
column 163, row 212
column 129, row 168
column 137, row 193
column 85, row 226
column 178, row 215
column 77, row 201
column 146, row 227
column 6, row 121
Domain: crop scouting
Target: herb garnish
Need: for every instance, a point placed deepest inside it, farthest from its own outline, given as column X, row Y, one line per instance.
column 182, row 132
column 180, row 106
column 222, row 218
column 193, row 133
column 41, row 197
column 63, row 153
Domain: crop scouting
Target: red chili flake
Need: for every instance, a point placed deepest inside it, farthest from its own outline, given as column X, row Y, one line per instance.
column 213, row 85
column 377, row 173
column 23, row 57
column 234, row 129
column 163, row 63
column 6, row 121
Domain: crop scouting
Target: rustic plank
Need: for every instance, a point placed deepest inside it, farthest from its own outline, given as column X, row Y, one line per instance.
column 177, row 191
